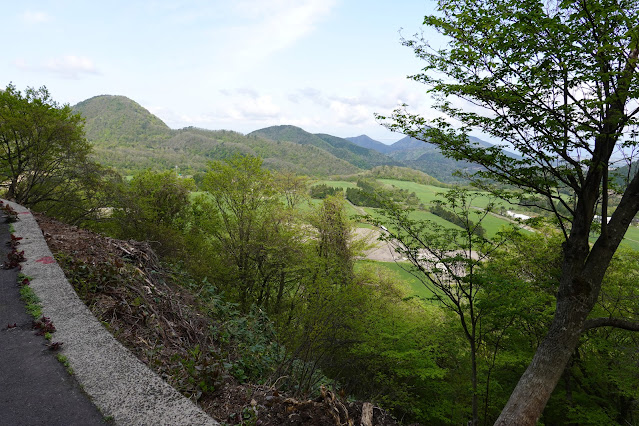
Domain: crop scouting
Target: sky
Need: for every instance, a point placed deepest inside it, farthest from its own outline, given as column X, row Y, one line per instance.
column 326, row 66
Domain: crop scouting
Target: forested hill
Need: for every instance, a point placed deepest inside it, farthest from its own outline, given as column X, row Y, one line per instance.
column 359, row 156
column 119, row 121
column 418, row 155
column 422, row 156
column 368, row 142
column 129, row 138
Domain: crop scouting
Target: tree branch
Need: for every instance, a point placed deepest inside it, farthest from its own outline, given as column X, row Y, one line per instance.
column 610, row 322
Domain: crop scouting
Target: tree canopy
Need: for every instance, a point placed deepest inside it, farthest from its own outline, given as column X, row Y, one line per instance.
column 44, row 156
column 557, row 81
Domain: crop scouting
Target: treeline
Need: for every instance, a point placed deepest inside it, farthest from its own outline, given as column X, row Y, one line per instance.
column 370, row 193
column 322, row 191
column 455, row 219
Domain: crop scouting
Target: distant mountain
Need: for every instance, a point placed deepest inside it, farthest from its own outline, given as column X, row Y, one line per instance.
column 407, row 144
column 129, row 138
column 360, row 157
column 424, row 156
column 367, row 142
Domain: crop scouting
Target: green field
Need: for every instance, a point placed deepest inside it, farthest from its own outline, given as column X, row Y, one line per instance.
column 412, row 284
column 426, row 194
column 632, row 238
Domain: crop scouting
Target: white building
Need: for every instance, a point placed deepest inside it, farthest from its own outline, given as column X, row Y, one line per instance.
column 517, row 215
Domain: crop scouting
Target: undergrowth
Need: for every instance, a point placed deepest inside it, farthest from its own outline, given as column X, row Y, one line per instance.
column 231, row 343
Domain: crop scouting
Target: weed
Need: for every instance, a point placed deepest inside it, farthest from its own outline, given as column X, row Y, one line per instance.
column 14, row 241
column 65, row 361
column 14, row 258
column 23, row 279
column 44, row 326
column 31, row 301
column 10, row 214
column 55, row 346
column 198, row 373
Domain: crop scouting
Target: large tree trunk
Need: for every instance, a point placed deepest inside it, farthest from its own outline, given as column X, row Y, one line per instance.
column 529, row 398
column 583, row 270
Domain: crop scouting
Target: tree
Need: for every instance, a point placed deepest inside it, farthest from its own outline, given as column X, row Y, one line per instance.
column 556, row 80
column 243, row 215
column 447, row 261
column 153, row 207
column 43, row 151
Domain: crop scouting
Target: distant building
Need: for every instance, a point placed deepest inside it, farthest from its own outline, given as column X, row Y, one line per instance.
column 517, row 215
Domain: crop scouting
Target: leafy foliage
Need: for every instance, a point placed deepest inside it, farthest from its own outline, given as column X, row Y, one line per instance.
column 453, row 218
column 558, row 82
column 44, row 157
column 322, row 191
column 151, row 207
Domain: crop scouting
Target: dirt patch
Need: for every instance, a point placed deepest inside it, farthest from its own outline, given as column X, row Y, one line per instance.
column 381, row 251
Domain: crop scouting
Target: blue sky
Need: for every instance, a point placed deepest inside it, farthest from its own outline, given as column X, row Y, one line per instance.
column 323, row 65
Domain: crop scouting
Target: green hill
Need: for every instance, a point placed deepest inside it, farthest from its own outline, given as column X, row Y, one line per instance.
column 368, row 142
column 220, row 144
column 129, row 138
column 119, row 121
column 363, row 158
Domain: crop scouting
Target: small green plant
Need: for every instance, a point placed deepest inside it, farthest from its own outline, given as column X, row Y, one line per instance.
column 198, row 372
column 65, row 361
column 31, row 301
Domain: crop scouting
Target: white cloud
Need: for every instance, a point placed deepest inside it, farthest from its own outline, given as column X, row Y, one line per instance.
column 273, row 25
column 71, row 66
column 260, row 108
column 248, row 104
column 242, row 91
column 68, row 66
column 21, row 64
column 31, row 17
column 314, row 95
column 351, row 114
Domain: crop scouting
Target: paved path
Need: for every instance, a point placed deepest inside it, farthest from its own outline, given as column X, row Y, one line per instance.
column 35, row 388
column 125, row 390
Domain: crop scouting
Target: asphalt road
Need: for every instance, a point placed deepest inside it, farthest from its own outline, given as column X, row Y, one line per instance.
column 35, row 388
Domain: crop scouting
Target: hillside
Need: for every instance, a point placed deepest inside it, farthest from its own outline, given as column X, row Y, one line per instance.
column 129, row 138
column 169, row 339
column 367, row 142
column 361, row 157
column 422, row 156
column 426, row 157
column 622, row 175
column 119, row 121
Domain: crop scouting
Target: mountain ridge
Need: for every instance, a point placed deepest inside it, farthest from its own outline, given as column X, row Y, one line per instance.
column 361, row 157
column 129, row 138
